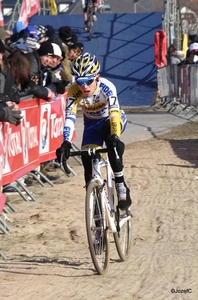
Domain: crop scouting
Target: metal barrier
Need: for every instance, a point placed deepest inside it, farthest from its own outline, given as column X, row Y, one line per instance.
column 179, row 83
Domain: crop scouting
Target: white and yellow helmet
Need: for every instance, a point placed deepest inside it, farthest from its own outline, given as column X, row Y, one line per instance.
column 85, row 65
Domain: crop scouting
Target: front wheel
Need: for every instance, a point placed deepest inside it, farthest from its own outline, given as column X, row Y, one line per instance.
column 123, row 236
column 97, row 230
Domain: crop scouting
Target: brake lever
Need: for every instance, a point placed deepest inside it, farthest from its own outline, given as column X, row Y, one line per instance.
column 63, row 163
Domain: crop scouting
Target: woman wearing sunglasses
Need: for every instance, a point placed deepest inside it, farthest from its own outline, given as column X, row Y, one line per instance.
column 103, row 119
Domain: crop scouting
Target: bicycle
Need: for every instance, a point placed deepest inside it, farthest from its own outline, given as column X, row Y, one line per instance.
column 90, row 18
column 102, row 213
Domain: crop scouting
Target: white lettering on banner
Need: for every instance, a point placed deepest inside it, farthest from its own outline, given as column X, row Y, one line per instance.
column 56, row 126
column 32, row 136
column 14, row 144
column 24, row 138
column 1, row 166
column 13, row 140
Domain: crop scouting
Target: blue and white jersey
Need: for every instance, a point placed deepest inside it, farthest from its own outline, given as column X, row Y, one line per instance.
column 102, row 104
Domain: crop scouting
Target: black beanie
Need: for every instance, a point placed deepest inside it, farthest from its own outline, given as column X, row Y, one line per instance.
column 46, row 48
column 65, row 33
column 50, row 31
column 77, row 45
column 74, row 39
column 2, row 47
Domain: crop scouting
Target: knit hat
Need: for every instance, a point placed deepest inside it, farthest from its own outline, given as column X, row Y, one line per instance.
column 41, row 31
column 50, row 31
column 18, row 26
column 192, row 33
column 2, row 33
column 56, row 50
column 46, row 48
column 74, row 38
column 193, row 47
column 77, row 45
column 2, row 47
column 65, row 33
column 31, row 31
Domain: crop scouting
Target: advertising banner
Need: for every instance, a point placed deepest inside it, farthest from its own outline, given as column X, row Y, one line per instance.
column 35, row 140
column 21, row 143
column 1, row 15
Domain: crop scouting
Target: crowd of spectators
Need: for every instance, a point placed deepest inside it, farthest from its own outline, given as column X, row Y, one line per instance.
column 178, row 57
column 34, row 60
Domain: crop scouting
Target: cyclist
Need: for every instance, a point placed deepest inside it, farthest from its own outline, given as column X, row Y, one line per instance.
column 103, row 120
column 85, row 7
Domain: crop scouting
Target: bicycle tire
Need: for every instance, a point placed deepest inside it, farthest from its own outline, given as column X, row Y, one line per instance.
column 100, row 252
column 123, row 238
column 90, row 33
column 90, row 20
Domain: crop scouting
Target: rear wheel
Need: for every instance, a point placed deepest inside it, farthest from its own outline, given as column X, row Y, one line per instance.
column 97, row 233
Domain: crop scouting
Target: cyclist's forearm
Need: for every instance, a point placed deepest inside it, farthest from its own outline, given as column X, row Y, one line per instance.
column 68, row 129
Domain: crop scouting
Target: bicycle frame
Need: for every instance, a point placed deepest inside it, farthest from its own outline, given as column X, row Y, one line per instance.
column 107, row 202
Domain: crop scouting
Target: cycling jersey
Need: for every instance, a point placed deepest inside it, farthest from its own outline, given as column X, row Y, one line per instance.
column 103, row 104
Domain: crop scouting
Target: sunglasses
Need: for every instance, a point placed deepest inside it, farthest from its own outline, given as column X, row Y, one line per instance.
column 86, row 80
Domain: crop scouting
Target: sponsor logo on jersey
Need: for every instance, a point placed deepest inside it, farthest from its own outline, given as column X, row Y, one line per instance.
column 106, row 89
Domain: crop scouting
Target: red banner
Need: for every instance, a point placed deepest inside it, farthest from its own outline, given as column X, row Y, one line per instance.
column 34, row 141
column 2, row 196
column 51, row 127
column 160, row 48
column 1, row 15
column 28, row 9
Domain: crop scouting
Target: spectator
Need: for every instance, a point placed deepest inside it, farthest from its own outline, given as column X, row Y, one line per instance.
column 3, row 38
column 54, row 38
column 53, row 79
column 14, row 72
column 11, row 115
column 75, row 50
column 26, row 40
column 74, row 39
column 65, row 34
column 192, row 57
column 41, row 32
column 39, row 61
column 18, row 26
column 192, row 37
column 50, row 31
column 174, row 56
column 9, row 111
column 20, row 67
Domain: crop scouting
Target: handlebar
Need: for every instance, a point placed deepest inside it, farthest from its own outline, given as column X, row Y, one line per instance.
column 89, row 152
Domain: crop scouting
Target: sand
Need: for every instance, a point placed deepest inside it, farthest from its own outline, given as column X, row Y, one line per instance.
column 47, row 250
